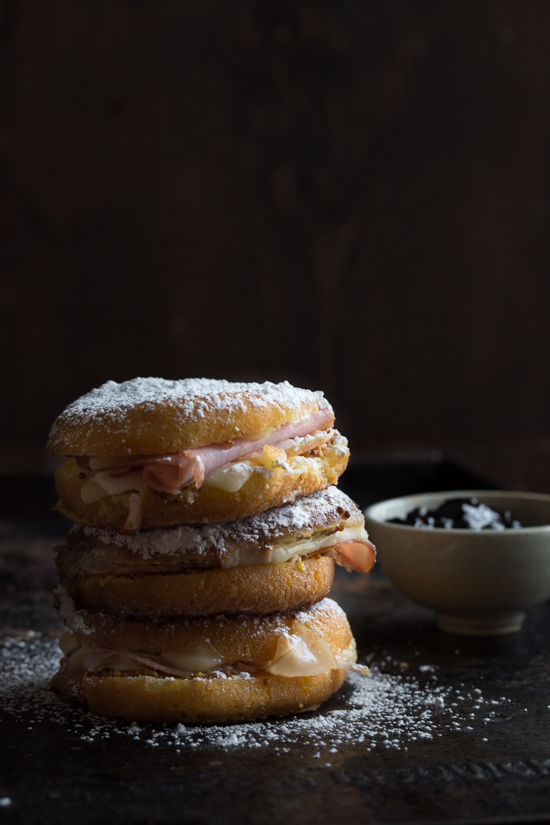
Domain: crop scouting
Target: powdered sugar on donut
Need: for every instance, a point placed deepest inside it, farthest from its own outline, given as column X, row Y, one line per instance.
column 316, row 511
column 327, row 611
column 200, row 396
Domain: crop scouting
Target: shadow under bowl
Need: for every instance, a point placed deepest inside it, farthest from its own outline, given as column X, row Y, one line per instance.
column 479, row 582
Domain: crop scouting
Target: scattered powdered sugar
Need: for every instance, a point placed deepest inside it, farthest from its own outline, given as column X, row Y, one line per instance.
column 319, row 510
column 384, row 709
column 201, row 396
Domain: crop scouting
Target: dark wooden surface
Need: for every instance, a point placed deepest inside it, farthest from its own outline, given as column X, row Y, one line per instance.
column 491, row 772
column 353, row 196
column 495, row 774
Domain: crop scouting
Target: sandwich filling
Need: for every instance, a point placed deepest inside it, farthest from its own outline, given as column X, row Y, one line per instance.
column 349, row 547
column 227, row 466
column 326, row 522
column 302, row 652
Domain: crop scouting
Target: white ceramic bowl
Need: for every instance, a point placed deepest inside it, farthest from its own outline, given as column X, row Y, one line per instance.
column 479, row 582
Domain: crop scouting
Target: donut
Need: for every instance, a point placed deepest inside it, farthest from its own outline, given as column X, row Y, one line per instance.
column 207, row 670
column 276, row 561
column 147, row 416
column 151, row 453
column 256, row 589
column 209, row 701
column 194, row 583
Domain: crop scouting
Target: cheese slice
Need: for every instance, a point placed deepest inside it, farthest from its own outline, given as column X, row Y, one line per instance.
column 304, row 652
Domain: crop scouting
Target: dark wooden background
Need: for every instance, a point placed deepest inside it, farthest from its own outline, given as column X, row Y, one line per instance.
column 351, row 194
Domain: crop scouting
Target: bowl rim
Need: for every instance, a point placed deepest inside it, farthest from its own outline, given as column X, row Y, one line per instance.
column 416, row 498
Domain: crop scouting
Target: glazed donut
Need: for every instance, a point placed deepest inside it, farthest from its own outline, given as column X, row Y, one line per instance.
column 208, row 671
column 277, row 561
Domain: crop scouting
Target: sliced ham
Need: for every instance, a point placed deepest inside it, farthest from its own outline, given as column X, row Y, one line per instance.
column 169, row 473
column 354, row 555
column 172, row 473
column 304, row 652
column 92, row 659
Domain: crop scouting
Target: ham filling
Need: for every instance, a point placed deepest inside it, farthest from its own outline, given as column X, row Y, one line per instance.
column 171, row 473
column 358, row 555
column 350, row 548
column 304, row 652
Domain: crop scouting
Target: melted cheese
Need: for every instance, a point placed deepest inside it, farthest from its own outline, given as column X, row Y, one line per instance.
column 304, row 547
column 306, row 654
column 285, row 549
column 202, row 658
column 230, row 477
column 91, row 492
column 302, row 653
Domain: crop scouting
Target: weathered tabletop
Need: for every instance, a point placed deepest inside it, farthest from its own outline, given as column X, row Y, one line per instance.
column 473, row 746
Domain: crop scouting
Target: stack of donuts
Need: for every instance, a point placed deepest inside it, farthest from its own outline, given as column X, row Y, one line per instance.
column 193, row 584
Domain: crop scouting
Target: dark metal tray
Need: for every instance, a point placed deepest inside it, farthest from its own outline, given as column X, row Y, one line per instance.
column 497, row 771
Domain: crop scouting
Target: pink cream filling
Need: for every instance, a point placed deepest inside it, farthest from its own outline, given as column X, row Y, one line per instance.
column 170, row 473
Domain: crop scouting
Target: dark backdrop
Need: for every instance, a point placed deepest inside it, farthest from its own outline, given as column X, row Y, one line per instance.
column 351, row 194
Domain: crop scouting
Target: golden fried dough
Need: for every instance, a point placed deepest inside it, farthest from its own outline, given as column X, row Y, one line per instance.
column 217, row 696
column 256, row 589
column 146, row 416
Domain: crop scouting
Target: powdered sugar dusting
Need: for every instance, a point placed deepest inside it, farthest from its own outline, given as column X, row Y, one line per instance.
column 255, row 627
column 223, row 394
column 381, row 710
column 320, row 610
column 68, row 612
column 202, row 396
column 316, row 511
